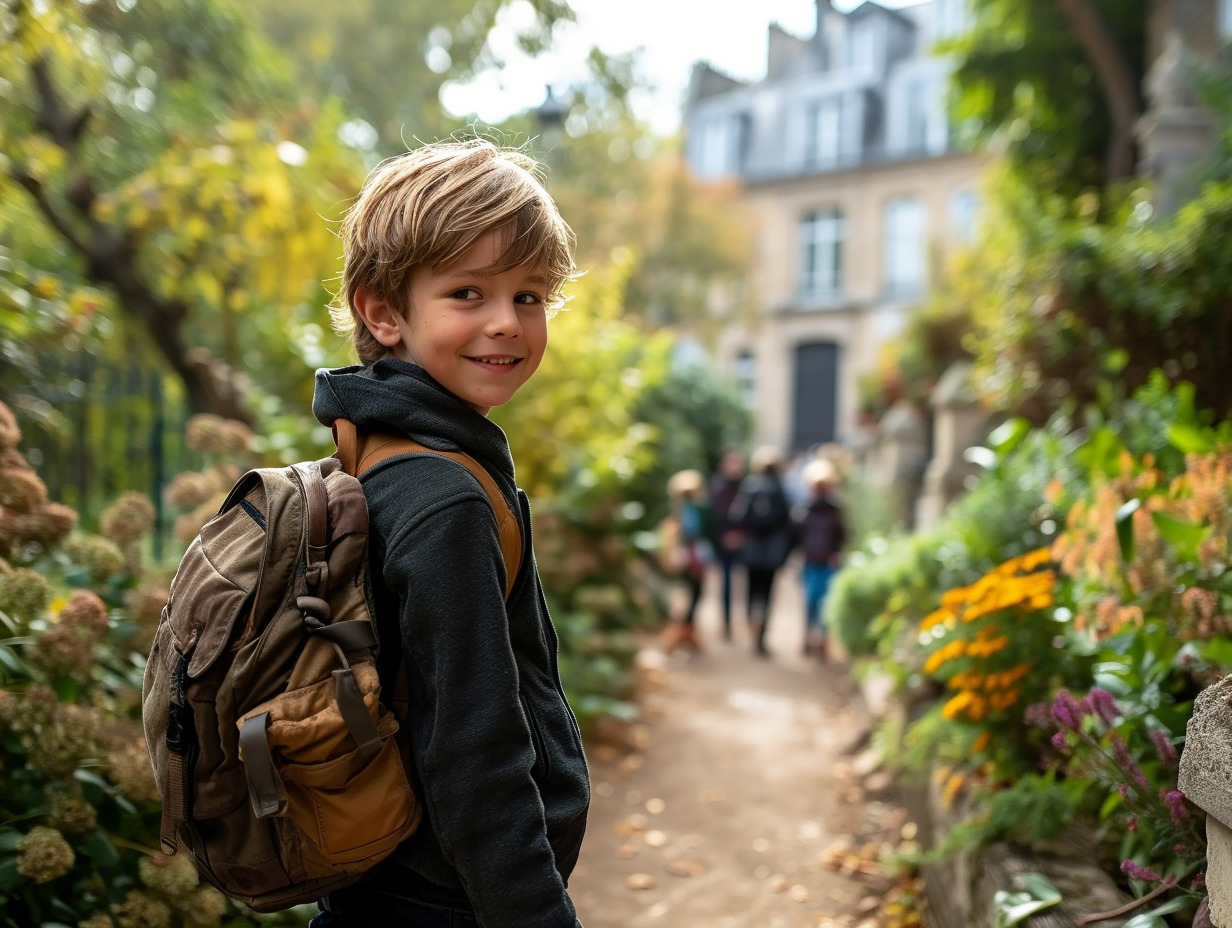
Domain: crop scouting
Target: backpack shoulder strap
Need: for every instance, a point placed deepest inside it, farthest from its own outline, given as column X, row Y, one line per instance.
column 360, row 452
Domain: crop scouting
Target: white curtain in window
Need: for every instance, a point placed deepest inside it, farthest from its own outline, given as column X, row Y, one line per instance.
column 904, row 245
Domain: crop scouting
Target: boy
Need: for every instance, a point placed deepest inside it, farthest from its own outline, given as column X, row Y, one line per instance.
column 821, row 535
column 454, row 256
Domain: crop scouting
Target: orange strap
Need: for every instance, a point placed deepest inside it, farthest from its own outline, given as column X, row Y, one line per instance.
column 360, row 453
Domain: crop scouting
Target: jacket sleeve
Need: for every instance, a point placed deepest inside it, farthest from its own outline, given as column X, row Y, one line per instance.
column 471, row 741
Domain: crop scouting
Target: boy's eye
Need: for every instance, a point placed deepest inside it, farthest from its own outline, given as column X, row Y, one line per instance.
column 528, row 299
column 466, row 293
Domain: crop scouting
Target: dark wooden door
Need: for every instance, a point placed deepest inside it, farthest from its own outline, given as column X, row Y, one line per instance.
column 814, row 395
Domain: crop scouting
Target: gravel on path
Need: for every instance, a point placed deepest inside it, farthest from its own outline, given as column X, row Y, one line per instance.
column 748, row 796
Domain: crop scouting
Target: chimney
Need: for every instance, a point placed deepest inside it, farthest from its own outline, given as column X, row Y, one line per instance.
column 821, row 41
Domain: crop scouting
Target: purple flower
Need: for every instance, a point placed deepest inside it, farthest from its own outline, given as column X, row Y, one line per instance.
column 1163, row 746
column 1138, row 873
column 1131, row 823
column 1037, row 715
column 1066, row 711
column 1060, row 742
column 1123, row 790
column 1104, row 705
column 1179, row 848
column 1127, row 763
column 1174, row 799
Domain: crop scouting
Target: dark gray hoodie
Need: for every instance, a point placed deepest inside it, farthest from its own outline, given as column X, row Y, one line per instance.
column 497, row 752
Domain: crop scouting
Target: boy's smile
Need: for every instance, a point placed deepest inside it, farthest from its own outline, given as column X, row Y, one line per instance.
column 480, row 333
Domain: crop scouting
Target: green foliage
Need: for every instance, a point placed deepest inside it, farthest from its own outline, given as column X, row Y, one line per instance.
column 1115, row 648
column 1024, row 80
column 1074, row 312
column 79, row 812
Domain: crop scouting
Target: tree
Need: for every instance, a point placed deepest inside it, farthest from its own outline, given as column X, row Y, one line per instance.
column 144, row 142
column 388, row 59
column 1057, row 81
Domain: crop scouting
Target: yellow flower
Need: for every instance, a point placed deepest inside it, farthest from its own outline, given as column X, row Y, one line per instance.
column 981, row 743
column 957, row 704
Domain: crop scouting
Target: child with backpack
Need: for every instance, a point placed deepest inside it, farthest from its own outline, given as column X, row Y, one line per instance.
column 455, row 256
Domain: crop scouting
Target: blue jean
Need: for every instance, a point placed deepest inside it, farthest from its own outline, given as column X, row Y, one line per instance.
column 385, row 908
column 817, row 579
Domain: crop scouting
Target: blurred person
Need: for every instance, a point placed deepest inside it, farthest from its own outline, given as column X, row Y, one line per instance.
column 685, row 551
column 821, row 534
column 763, row 513
column 728, row 538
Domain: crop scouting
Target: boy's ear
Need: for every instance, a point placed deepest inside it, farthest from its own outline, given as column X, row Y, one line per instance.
column 380, row 318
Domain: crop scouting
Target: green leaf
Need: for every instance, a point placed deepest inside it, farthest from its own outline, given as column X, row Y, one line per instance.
column 9, row 877
column 9, row 839
column 1154, row 918
column 1190, row 438
column 1125, row 528
column 98, row 847
column 1009, row 435
column 1033, row 893
column 1185, row 537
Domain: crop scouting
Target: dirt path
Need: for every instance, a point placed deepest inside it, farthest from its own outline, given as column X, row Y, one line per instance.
column 749, row 801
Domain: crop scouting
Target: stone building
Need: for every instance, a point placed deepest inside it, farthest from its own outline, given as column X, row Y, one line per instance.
column 857, row 191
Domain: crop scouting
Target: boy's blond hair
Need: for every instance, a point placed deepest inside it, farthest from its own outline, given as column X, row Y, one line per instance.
column 427, row 207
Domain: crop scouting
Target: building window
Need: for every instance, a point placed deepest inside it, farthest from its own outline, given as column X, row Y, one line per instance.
column 823, row 122
column 821, row 254
column 904, row 246
column 964, row 215
column 746, row 377
column 915, row 105
column 717, row 145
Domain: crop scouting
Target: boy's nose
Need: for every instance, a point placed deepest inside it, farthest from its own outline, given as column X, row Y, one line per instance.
column 504, row 321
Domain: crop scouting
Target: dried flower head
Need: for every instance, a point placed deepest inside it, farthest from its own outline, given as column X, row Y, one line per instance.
column 64, row 651
column 190, row 490
column 210, row 434
column 24, row 594
column 10, row 433
column 43, row 855
column 128, row 766
column 85, row 609
column 45, row 526
column 98, row 920
column 128, row 519
column 21, row 490
column 142, row 910
column 204, row 908
column 101, row 558
column 145, row 604
column 57, row 737
column 68, row 809
column 171, row 876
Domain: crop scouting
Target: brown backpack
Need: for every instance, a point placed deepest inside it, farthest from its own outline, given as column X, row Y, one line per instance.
column 275, row 757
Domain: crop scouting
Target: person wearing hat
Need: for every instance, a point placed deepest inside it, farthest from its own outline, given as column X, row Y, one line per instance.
column 685, row 551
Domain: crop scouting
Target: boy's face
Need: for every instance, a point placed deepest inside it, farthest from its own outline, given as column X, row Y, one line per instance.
column 479, row 334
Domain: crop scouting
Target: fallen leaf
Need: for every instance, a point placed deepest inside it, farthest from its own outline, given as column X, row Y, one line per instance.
column 640, row 881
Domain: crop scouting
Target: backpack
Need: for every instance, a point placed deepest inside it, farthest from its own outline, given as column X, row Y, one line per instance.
column 274, row 753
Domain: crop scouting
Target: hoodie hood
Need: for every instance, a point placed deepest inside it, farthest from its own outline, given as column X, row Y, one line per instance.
column 396, row 396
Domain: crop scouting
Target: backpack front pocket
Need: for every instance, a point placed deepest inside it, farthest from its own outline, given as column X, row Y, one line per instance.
column 347, row 804
column 354, row 807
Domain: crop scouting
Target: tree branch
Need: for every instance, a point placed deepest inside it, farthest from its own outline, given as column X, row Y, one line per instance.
column 1116, row 79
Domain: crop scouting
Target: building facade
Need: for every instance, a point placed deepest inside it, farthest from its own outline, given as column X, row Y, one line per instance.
column 846, row 158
